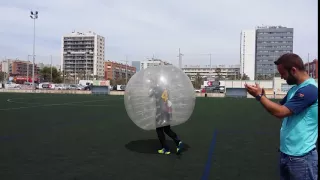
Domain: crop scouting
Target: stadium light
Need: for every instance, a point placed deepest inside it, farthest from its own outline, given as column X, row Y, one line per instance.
column 34, row 16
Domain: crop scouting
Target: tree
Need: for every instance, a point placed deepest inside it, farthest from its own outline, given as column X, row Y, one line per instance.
column 112, row 82
column 82, row 74
column 245, row 77
column 2, row 76
column 45, row 74
column 190, row 77
column 219, row 75
column 66, row 77
column 231, row 77
column 260, row 77
column 198, row 81
column 120, row 81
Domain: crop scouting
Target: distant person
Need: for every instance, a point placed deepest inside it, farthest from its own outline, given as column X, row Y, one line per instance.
column 163, row 117
column 299, row 113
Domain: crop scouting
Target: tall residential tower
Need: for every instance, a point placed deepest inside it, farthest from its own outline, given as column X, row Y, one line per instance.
column 83, row 55
column 271, row 43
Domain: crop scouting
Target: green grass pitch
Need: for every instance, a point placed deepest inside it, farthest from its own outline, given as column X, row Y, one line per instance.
column 47, row 136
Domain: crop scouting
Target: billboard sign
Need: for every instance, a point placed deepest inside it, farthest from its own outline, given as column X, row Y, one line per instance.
column 101, row 83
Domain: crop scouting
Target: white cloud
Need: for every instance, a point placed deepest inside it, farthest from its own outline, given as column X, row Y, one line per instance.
column 142, row 28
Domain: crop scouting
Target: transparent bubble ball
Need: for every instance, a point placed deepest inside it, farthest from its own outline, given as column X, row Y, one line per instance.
column 159, row 96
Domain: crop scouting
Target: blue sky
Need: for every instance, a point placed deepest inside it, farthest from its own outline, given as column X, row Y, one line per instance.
column 143, row 28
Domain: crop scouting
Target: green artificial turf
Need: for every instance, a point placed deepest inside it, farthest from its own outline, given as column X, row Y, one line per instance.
column 52, row 136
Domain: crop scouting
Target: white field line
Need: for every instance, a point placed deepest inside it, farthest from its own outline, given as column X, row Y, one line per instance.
column 90, row 105
column 46, row 105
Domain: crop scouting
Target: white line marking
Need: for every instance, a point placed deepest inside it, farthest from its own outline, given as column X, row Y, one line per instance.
column 45, row 105
column 10, row 101
column 90, row 105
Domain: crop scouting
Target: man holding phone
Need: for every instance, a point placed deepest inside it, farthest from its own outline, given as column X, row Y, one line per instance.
column 298, row 111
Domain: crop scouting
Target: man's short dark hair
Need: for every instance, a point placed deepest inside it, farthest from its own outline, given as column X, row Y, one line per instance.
column 290, row 60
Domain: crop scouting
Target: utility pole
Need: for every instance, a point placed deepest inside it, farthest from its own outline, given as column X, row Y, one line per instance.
column 34, row 16
column 8, row 60
column 308, row 65
column 210, row 63
column 63, row 71
column 75, row 71
column 8, row 65
column 126, row 70
column 180, row 59
column 51, row 67
column 85, row 56
column 274, row 74
column 274, row 67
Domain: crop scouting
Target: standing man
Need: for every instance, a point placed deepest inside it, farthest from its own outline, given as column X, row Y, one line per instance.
column 299, row 113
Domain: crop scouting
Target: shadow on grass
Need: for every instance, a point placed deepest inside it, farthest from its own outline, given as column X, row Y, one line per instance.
column 151, row 146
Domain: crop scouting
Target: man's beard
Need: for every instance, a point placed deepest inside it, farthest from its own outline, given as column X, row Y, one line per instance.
column 291, row 79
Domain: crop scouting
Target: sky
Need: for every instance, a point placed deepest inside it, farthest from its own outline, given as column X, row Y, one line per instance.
column 140, row 29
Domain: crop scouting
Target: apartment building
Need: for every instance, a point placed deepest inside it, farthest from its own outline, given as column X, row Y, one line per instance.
column 136, row 64
column 83, row 54
column 271, row 43
column 115, row 70
column 18, row 67
column 312, row 68
column 225, row 71
column 152, row 62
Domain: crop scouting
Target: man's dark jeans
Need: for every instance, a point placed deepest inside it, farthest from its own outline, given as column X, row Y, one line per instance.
column 299, row 167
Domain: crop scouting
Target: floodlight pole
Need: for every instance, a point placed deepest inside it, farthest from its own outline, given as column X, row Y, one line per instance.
column 28, row 68
column 34, row 16
column 51, row 68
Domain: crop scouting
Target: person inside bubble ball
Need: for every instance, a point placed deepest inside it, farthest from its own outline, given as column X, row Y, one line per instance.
column 163, row 116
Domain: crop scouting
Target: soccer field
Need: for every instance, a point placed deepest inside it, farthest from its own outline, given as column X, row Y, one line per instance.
column 52, row 136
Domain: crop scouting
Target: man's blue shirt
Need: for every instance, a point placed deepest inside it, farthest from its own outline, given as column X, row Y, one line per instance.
column 299, row 132
column 302, row 99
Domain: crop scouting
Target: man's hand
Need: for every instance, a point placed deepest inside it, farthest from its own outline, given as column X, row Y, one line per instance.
column 275, row 109
column 254, row 90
